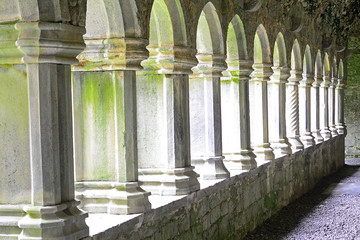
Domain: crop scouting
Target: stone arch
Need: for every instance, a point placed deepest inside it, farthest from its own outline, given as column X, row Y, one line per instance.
column 236, row 46
column 262, row 53
column 341, row 70
column 209, row 39
column 296, row 63
column 167, row 24
column 279, row 57
column 307, row 63
column 318, row 64
column 334, row 69
column 326, row 66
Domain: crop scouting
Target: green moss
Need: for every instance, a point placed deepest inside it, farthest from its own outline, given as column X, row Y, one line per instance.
column 270, row 201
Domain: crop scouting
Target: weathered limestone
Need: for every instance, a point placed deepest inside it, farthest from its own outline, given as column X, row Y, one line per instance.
column 305, row 103
column 339, row 101
column 105, row 113
column 332, row 86
column 277, row 97
column 236, row 117
column 324, row 101
column 205, row 117
column 38, row 201
column 259, row 111
column 315, row 100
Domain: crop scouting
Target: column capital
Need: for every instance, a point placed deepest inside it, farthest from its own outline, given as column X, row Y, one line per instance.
column 318, row 79
column 280, row 75
column 295, row 77
column 210, row 65
column 40, row 42
column 307, row 80
column 340, row 84
column 112, row 54
column 262, row 72
column 326, row 82
column 171, row 60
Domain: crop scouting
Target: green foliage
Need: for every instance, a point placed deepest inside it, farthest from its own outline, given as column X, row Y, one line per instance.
column 352, row 94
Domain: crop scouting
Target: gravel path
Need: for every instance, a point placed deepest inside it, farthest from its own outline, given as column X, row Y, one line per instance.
column 330, row 211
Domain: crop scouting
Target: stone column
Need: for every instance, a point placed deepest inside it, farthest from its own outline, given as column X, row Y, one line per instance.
column 205, row 118
column 277, row 105
column 164, row 126
column 259, row 111
column 315, row 108
column 37, row 175
column 339, row 106
column 236, row 117
column 292, row 110
column 332, row 121
column 324, row 108
column 104, row 98
column 305, row 110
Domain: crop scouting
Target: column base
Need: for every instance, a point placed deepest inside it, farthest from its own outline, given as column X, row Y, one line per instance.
column 334, row 131
column 245, row 160
column 281, row 148
column 264, row 152
column 317, row 136
column 210, row 168
column 326, row 133
column 341, row 129
column 112, row 197
column 307, row 140
column 169, row 182
column 10, row 215
column 296, row 144
column 61, row 222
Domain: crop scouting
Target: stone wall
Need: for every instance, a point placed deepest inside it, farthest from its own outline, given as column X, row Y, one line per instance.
column 235, row 206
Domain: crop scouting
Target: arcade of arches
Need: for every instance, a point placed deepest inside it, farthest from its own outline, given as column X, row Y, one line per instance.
column 162, row 119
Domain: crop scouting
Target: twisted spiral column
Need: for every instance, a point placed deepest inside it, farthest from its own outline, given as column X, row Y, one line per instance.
column 292, row 110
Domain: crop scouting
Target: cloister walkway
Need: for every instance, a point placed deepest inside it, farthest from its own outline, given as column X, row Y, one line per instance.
column 330, row 211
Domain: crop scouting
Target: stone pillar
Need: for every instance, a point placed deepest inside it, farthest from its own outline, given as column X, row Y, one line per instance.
column 236, row 117
column 37, row 175
column 164, row 126
column 205, row 117
column 339, row 106
column 277, row 105
column 315, row 108
column 324, row 108
column 332, row 121
column 104, row 98
column 259, row 111
column 305, row 110
column 292, row 110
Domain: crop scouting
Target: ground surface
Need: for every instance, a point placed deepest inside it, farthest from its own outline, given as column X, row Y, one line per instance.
column 330, row 211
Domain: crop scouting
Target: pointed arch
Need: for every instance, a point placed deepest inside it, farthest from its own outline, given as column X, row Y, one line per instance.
column 262, row 53
column 307, row 63
column 209, row 39
column 167, row 24
column 326, row 65
column 279, row 57
column 236, row 46
column 296, row 63
column 341, row 70
column 318, row 64
column 334, row 72
column 111, row 19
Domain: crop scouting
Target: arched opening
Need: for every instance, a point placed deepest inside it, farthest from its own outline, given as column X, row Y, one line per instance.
column 205, row 105
column 277, row 99
column 259, row 97
column 235, row 101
